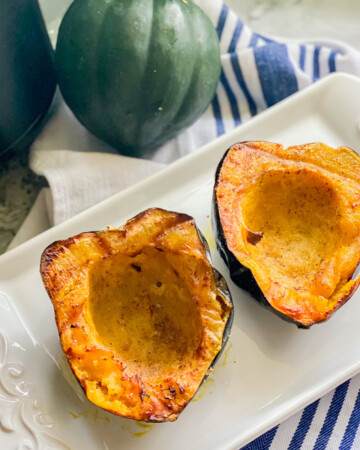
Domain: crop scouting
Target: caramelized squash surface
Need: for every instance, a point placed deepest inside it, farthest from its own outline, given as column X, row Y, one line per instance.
column 140, row 311
column 292, row 217
column 140, row 305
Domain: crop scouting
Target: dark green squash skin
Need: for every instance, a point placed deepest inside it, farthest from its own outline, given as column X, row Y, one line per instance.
column 240, row 275
column 222, row 287
column 137, row 72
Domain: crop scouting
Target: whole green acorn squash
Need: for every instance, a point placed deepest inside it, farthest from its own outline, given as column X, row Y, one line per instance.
column 137, row 72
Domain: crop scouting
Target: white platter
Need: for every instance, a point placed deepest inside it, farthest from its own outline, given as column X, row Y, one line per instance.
column 270, row 369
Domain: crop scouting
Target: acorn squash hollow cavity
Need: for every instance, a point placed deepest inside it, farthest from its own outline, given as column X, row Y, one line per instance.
column 287, row 224
column 141, row 313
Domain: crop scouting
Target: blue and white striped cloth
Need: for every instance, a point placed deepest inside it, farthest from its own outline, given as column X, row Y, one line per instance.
column 329, row 423
column 257, row 72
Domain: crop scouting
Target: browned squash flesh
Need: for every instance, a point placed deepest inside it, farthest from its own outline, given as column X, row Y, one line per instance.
column 138, row 312
column 292, row 216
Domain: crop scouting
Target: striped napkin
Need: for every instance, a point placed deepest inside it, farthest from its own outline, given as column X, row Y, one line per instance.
column 257, row 72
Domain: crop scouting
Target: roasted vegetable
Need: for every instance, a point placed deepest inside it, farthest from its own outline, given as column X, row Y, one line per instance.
column 287, row 224
column 137, row 72
column 142, row 315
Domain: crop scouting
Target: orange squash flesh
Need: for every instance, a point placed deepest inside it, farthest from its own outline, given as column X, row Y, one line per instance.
column 139, row 313
column 292, row 216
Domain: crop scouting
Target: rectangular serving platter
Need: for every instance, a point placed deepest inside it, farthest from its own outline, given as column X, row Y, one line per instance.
column 269, row 370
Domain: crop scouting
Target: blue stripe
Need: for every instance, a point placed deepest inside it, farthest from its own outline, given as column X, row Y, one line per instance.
column 262, row 442
column 236, row 36
column 303, row 426
column 239, row 76
column 302, row 57
column 316, row 74
column 232, row 99
column 217, row 113
column 253, row 40
column 331, row 416
column 276, row 72
column 222, row 20
column 332, row 66
column 215, row 102
column 352, row 426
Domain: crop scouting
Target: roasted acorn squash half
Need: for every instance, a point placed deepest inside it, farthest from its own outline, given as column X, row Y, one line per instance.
column 141, row 313
column 287, row 224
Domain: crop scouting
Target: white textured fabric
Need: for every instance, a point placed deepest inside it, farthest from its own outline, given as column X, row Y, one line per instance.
column 79, row 180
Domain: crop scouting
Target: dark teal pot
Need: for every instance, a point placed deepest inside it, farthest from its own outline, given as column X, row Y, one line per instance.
column 27, row 76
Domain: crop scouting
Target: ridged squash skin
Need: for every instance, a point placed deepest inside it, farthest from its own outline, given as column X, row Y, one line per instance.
column 137, row 72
